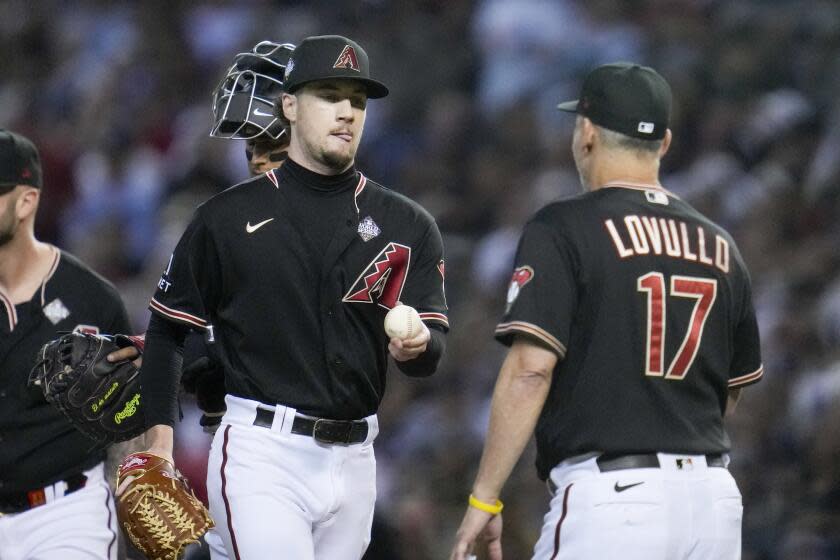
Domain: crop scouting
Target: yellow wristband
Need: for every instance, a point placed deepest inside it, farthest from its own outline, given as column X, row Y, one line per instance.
column 492, row 509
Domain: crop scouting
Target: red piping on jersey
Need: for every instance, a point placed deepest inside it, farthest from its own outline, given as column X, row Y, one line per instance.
column 439, row 317
column 10, row 311
column 273, row 178
column 49, row 275
column 177, row 315
column 748, row 378
column 114, row 535
column 359, row 188
column 225, row 498
column 560, row 523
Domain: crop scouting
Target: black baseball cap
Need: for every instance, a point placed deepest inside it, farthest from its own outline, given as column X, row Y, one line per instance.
column 327, row 57
column 627, row 98
column 20, row 163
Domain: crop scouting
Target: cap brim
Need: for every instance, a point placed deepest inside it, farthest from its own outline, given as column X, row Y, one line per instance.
column 568, row 106
column 375, row 90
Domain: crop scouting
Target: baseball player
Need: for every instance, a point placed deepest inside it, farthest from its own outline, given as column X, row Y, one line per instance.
column 54, row 499
column 294, row 272
column 631, row 332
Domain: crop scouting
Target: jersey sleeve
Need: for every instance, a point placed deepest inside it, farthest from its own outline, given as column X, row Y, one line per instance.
column 542, row 294
column 187, row 290
column 746, row 367
column 424, row 287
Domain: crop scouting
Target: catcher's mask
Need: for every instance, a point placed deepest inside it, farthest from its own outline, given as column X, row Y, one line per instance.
column 243, row 102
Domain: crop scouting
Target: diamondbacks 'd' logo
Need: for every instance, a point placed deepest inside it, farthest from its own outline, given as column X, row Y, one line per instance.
column 383, row 279
column 347, row 59
column 521, row 276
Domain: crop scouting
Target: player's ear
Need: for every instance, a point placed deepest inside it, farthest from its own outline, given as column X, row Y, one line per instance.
column 588, row 133
column 27, row 202
column 666, row 143
column 288, row 107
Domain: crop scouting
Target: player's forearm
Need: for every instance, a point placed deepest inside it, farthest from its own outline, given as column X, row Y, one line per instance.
column 518, row 399
column 160, row 440
column 732, row 399
column 161, row 371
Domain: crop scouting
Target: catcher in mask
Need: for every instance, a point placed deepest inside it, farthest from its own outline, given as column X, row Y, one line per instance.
column 54, row 499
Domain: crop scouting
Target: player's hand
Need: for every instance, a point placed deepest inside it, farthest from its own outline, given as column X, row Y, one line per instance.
column 127, row 353
column 160, row 440
column 478, row 527
column 129, row 350
column 160, row 452
column 403, row 350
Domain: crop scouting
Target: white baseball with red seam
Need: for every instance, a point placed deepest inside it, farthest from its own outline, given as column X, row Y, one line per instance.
column 403, row 322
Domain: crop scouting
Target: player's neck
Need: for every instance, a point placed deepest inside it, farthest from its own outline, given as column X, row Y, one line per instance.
column 624, row 169
column 299, row 156
column 24, row 262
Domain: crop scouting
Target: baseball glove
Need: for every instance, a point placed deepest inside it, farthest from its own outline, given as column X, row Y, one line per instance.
column 157, row 510
column 100, row 398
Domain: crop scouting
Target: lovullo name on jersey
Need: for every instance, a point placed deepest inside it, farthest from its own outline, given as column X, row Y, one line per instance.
column 644, row 235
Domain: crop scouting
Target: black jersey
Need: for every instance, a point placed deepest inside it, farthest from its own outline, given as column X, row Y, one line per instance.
column 297, row 321
column 649, row 304
column 39, row 446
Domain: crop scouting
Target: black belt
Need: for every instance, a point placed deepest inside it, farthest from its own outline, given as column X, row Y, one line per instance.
column 322, row 429
column 608, row 463
column 17, row 502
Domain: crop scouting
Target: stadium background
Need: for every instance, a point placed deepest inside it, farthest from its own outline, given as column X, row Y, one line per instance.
column 117, row 97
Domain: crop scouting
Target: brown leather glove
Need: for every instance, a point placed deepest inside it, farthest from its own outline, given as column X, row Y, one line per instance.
column 157, row 510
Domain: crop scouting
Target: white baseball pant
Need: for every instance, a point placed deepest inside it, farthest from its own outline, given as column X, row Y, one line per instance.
column 683, row 510
column 282, row 495
column 77, row 526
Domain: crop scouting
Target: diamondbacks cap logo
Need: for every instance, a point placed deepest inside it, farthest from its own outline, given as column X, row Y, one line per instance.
column 521, row 276
column 347, row 59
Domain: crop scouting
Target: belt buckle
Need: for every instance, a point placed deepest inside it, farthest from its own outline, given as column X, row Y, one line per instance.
column 332, row 431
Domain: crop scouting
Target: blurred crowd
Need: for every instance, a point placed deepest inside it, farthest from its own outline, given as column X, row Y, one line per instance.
column 117, row 97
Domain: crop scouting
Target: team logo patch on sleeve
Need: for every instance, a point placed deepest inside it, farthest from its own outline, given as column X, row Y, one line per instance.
column 521, row 276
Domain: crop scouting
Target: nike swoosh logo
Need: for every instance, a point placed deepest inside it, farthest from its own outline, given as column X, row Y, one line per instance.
column 252, row 228
column 618, row 488
column 259, row 113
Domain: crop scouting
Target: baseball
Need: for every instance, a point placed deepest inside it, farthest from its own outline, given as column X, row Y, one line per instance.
column 402, row 322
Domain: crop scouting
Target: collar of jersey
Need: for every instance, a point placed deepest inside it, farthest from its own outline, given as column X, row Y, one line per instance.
column 317, row 182
column 637, row 186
